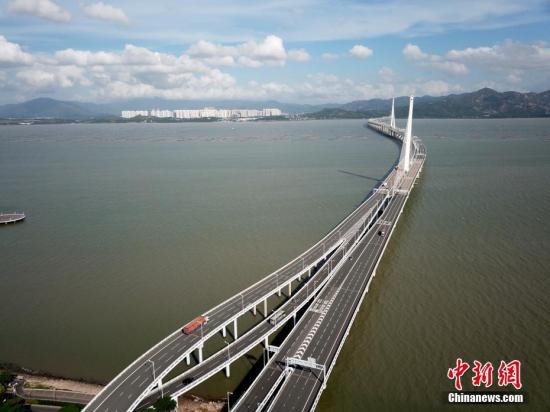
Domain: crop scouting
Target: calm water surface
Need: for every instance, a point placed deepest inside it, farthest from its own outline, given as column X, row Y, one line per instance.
column 134, row 229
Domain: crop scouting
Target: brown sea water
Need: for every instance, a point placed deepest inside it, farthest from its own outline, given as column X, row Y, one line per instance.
column 134, row 229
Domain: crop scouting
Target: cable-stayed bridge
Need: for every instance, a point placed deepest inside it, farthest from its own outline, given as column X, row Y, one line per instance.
column 323, row 289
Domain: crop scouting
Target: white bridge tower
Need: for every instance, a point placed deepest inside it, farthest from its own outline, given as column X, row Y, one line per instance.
column 392, row 116
column 405, row 160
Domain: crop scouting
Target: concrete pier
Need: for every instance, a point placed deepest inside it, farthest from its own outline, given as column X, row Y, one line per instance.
column 14, row 217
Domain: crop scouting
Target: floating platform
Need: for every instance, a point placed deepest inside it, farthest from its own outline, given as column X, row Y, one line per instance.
column 14, row 217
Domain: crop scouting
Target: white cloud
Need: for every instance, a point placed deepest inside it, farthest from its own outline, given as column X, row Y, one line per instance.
column 299, row 55
column 104, row 11
column 45, row 9
column 330, row 56
column 361, row 52
column 84, row 58
column 434, row 61
column 41, row 77
column 413, row 52
column 508, row 55
column 270, row 51
column 12, row 54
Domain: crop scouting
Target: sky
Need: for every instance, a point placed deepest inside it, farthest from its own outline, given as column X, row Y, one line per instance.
column 302, row 51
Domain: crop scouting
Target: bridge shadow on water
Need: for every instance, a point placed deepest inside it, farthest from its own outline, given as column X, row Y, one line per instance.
column 375, row 179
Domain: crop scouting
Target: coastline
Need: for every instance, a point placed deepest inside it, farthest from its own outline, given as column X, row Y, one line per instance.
column 32, row 380
column 35, row 381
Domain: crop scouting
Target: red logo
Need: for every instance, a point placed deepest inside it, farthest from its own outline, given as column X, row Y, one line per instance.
column 457, row 372
column 483, row 374
column 508, row 373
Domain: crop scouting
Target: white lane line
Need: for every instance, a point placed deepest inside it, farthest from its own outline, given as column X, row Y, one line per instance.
column 134, row 381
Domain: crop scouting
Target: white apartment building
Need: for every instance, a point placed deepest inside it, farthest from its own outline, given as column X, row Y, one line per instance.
column 161, row 113
column 128, row 114
column 271, row 112
column 207, row 112
column 187, row 114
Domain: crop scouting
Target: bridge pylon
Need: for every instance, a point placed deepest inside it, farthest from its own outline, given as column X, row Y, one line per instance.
column 405, row 161
column 392, row 116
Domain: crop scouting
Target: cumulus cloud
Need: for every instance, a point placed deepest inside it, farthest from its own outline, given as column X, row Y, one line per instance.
column 135, row 71
column 12, row 54
column 40, row 77
column 107, row 12
column 45, row 9
column 361, row 52
column 270, row 51
column 413, row 52
column 434, row 61
column 84, row 57
column 299, row 55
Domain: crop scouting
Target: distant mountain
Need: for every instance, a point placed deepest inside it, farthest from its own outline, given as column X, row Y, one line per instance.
column 483, row 103
column 55, row 109
column 479, row 104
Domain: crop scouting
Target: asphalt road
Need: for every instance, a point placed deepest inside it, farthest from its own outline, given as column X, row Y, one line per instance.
column 127, row 389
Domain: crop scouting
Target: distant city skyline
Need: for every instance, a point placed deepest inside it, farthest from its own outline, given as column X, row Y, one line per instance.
column 206, row 113
column 303, row 51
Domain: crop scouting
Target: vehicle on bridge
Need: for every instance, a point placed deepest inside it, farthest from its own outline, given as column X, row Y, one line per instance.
column 277, row 317
column 381, row 233
column 194, row 324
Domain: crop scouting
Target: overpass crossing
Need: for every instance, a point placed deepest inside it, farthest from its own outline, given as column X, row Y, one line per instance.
column 141, row 383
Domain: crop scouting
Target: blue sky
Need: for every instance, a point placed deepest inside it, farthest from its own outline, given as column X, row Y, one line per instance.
column 308, row 51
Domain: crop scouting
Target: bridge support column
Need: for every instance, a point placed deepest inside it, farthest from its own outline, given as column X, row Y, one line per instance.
column 289, row 289
column 224, row 331
column 266, row 344
column 227, row 371
column 159, row 384
column 294, row 318
column 265, row 308
column 175, row 399
column 200, row 354
column 235, row 332
column 279, row 292
column 254, row 310
column 188, row 359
